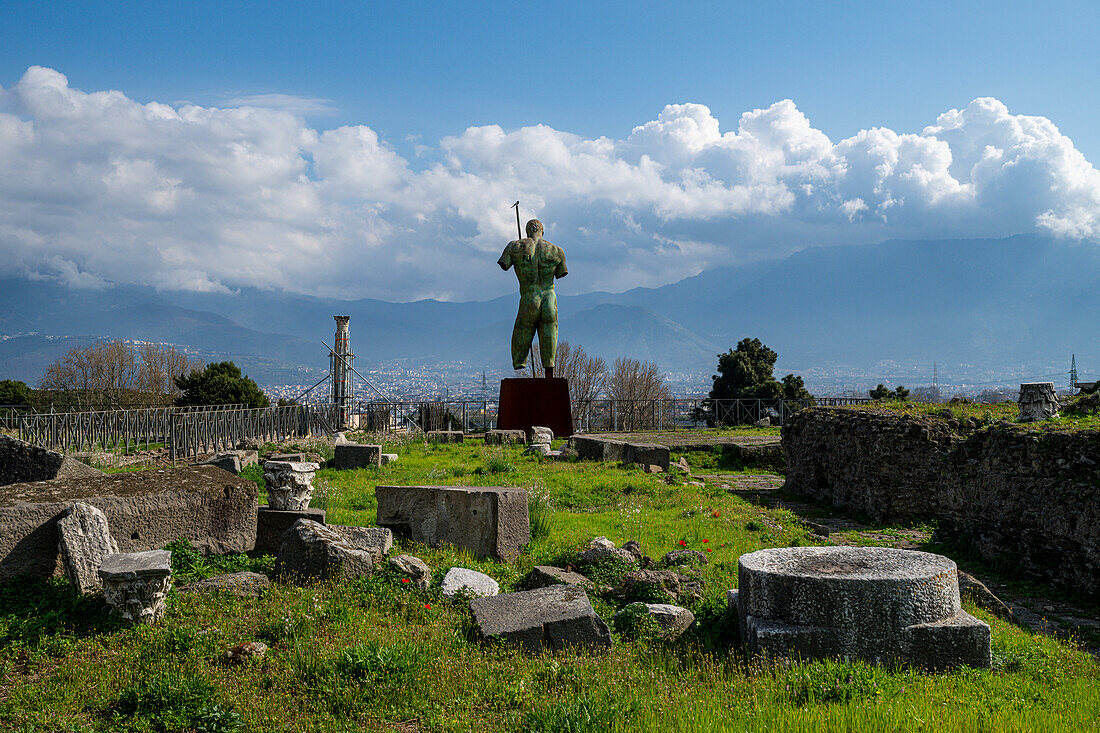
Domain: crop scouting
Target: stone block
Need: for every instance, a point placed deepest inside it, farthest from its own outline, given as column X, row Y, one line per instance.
column 22, row 462
column 272, row 523
column 601, row 549
column 505, row 437
column 311, row 551
column 490, row 522
column 230, row 461
column 354, row 455
column 145, row 510
column 1037, row 401
column 880, row 605
column 248, row 457
column 542, row 576
column 376, row 540
column 290, row 457
column 415, row 570
column 471, row 582
column 607, row 449
column 444, row 436
column 672, row 620
column 244, row 584
column 540, row 434
column 85, row 541
column 554, row 618
column 388, row 458
column 135, row 584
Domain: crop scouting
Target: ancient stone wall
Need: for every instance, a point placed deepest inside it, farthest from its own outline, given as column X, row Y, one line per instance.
column 1014, row 495
column 21, row 462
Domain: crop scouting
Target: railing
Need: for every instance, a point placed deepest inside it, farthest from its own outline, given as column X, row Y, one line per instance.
column 185, row 431
column 472, row 416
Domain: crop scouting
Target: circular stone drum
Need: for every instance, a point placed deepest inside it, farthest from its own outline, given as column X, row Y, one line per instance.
column 873, row 603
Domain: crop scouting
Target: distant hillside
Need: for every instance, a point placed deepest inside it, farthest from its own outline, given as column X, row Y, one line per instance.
column 997, row 303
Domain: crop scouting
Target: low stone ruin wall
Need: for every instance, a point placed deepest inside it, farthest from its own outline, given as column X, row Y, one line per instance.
column 145, row 510
column 21, row 462
column 607, row 449
column 1014, row 495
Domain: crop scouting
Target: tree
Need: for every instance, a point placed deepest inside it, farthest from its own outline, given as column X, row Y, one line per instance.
column 637, row 386
column 160, row 365
column 882, row 392
column 901, row 393
column 587, row 375
column 97, row 375
column 746, row 372
column 14, row 392
column 219, row 383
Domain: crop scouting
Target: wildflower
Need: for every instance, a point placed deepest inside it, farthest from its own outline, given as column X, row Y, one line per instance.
column 428, row 606
column 682, row 543
column 706, row 540
column 405, row 580
column 715, row 513
column 708, row 549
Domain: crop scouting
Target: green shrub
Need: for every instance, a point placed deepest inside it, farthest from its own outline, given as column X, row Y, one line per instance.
column 254, row 472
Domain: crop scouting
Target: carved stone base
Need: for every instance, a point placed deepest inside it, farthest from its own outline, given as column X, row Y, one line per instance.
column 136, row 583
column 289, row 484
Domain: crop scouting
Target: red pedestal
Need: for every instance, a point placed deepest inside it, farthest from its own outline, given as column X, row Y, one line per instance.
column 527, row 402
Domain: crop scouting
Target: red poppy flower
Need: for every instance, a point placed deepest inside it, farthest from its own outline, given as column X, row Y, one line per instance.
column 708, row 549
column 706, row 540
column 405, row 580
column 682, row 543
column 427, row 605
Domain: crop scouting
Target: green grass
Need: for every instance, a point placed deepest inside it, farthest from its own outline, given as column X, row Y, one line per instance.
column 980, row 414
column 375, row 655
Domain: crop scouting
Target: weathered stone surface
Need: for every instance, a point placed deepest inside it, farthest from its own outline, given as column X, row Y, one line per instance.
column 542, row 449
column 542, row 576
column 673, row 620
column 290, row 458
column 354, row 455
column 541, row 435
column 634, row 547
column 1004, row 491
column 607, row 449
column 289, row 484
column 135, row 584
column 683, row 557
column 312, row 551
column 22, row 462
column 505, row 437
column 471, row 582
column 444, row 436
column 272, row 523
column 229, row 461
column 413, row 568
column 248, row 457
column 546, row 619
column 490, row 522
column 601, row 549
column 388, row 458
column 760, row 456
column 651, row 585
column 1038, row 401
column 881, row 605
column 212, row 509
column 376, row 540
column 85, row 539
column 245, row 584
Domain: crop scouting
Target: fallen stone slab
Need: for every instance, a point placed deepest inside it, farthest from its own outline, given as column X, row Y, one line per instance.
column 413, row 569
column 607, row 449
column 651, row 585
column 876, row 604
column 490, row 522
column 312, row 551
column 541, row 434
column 229, row 461
column 388, row 458
column 376, row 540
column 672, row 620
column 271, row 524
column 21, row 462
column 546, row 619
column 244, row 584
column 135, row 584
column 505, row 437
column 444, row 436
column 542, row 576
column 541, row 449
column 85, row 540
column 353, row 455
column 291, row 457
column 212, row 509
column 471, row 582
column 976, row 591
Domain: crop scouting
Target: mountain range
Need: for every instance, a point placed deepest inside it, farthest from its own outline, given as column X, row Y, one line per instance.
column 998, row 303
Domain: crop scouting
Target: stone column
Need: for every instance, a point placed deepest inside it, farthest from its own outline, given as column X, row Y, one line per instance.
column 1037, row 401
column 136, row 583
column 289, row 484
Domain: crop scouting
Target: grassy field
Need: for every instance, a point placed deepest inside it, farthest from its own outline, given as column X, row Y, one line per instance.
column 373, row 655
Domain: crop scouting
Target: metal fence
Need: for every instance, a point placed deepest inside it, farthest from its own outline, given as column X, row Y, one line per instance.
column 473, row 416
column 185, row 431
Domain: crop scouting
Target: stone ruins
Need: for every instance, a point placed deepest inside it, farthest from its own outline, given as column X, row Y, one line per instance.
column 1037, row 401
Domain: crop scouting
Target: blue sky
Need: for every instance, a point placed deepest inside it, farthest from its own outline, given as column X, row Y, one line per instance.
column 434, row 84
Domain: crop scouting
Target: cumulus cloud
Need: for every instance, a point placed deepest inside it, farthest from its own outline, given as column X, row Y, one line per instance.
column 97, row 187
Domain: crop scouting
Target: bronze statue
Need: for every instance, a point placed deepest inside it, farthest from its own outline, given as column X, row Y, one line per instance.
column 537, row 264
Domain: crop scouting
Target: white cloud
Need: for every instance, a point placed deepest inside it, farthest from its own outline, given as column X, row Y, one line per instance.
column 96, row 187
column 285, row 102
